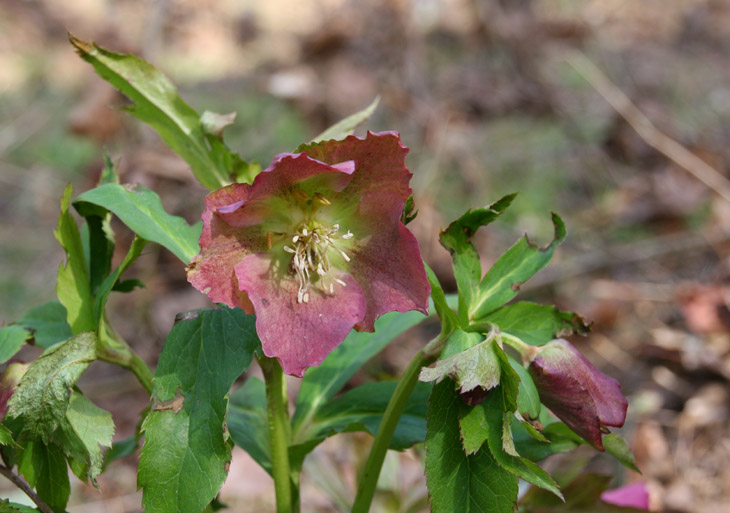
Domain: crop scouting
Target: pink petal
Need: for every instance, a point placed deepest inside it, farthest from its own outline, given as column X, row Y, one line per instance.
column 630, row 496
column 388, row 264
column 300, row 335
column 222, row 247
column 379, row 163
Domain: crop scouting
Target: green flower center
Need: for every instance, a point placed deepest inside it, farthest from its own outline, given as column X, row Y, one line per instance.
column 313, row 245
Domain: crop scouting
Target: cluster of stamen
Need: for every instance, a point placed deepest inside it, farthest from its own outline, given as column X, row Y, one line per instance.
column 310, row 247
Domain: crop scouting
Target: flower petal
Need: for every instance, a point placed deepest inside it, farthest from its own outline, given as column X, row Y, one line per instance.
column 300, row 335
column 379, row 163
column 222, row 247
column 388, row 264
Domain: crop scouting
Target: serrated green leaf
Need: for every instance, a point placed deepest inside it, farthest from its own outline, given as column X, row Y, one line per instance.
column 537, row 324
column 73, row 286
column 6, row 437
column 156, row 102
column 93, row 427
column 534, row 449
column 457, row 482
column 141, row 210
column 48, row 324
column 512, row 269
column 321, row 383
column 496, row 420
column 619, row 449
column 44, row 467
column 247, row 421
column 11, row 339
column 465, row 259
column 186, row 446
column 528, row 399
column 10, row 507
column 41, row 399
column 347, row 126
column 98, row 239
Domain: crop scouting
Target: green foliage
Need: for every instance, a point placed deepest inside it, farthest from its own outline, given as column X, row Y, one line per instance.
column 619, row 449
column 465, row 259
column 186, row 445
column 157, row 102
column 247, row 421
column 537, row 324
column 48, row 324
column 10, row 507
column 347, row 126
column 11, row 339
column 44, row 467
column 73, row 287
column 105, row 288
column 457, row 481
column 321, row 383
column 141, row 210
column 514, row 267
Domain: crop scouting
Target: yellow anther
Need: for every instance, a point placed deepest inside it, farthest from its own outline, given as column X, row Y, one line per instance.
column 319, row 198
column 301, row 195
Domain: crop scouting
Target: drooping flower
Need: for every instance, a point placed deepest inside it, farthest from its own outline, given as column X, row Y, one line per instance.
column 315, row 247
column 576, row 392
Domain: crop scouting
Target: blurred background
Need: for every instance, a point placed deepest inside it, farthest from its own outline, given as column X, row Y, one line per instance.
column 492, row 97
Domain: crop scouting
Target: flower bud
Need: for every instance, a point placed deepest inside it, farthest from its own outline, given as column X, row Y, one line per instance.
column 576, row 392
column 9, row 379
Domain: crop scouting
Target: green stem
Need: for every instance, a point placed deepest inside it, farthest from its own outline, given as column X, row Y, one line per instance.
column 279, row 432
column 112, row 348
column 527, row 351
column 369, row 479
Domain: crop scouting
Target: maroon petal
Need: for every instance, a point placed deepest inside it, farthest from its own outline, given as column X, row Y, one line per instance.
column 300, row 335
column 388, row 264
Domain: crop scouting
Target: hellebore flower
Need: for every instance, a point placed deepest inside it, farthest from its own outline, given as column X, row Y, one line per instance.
column 630, row 496
column 315, row 247
column 576, row 392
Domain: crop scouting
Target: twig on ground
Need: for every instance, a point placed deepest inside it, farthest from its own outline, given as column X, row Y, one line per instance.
column 646, row 129
column 17, row 481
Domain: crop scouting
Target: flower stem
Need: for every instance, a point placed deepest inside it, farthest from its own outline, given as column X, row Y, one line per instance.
column 112, row 348
column 369, row 478
column 279, row 432
column 527, row 351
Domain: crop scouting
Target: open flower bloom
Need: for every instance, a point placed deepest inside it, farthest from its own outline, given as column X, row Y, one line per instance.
column 315, row 247
column 576, row 392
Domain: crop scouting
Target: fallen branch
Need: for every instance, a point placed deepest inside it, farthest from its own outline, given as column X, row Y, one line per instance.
column 646, row 129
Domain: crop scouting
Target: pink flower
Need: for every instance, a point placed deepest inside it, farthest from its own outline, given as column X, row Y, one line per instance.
column 315, row 247
column 576, row 392
column 630, row 496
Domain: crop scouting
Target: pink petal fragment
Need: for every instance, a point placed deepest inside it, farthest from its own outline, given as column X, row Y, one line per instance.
column 630, row 496
column 299, row 335
column 388, row 265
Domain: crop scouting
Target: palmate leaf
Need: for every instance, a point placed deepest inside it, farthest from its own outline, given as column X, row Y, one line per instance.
column 457, row 482
column 184, row 459
column 141, row 210
column 157, row 102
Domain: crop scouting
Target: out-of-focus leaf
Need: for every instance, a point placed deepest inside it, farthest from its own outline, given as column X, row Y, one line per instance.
column 48, row 324
column 73, row 287
column 44, row 467
column 449, row 321
column 512, row 269
column 141, row 210
column 528, row 399
column 619, row 449
column 186, row 445
column 11, row 339
column 157, row 102
column 128, row 285
column 93, row 427
column 457, row 482
column 347, row 126
column 321, row 383
column 537, row 324
column 465, row 259
column 10, row 507
column 247, row 421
